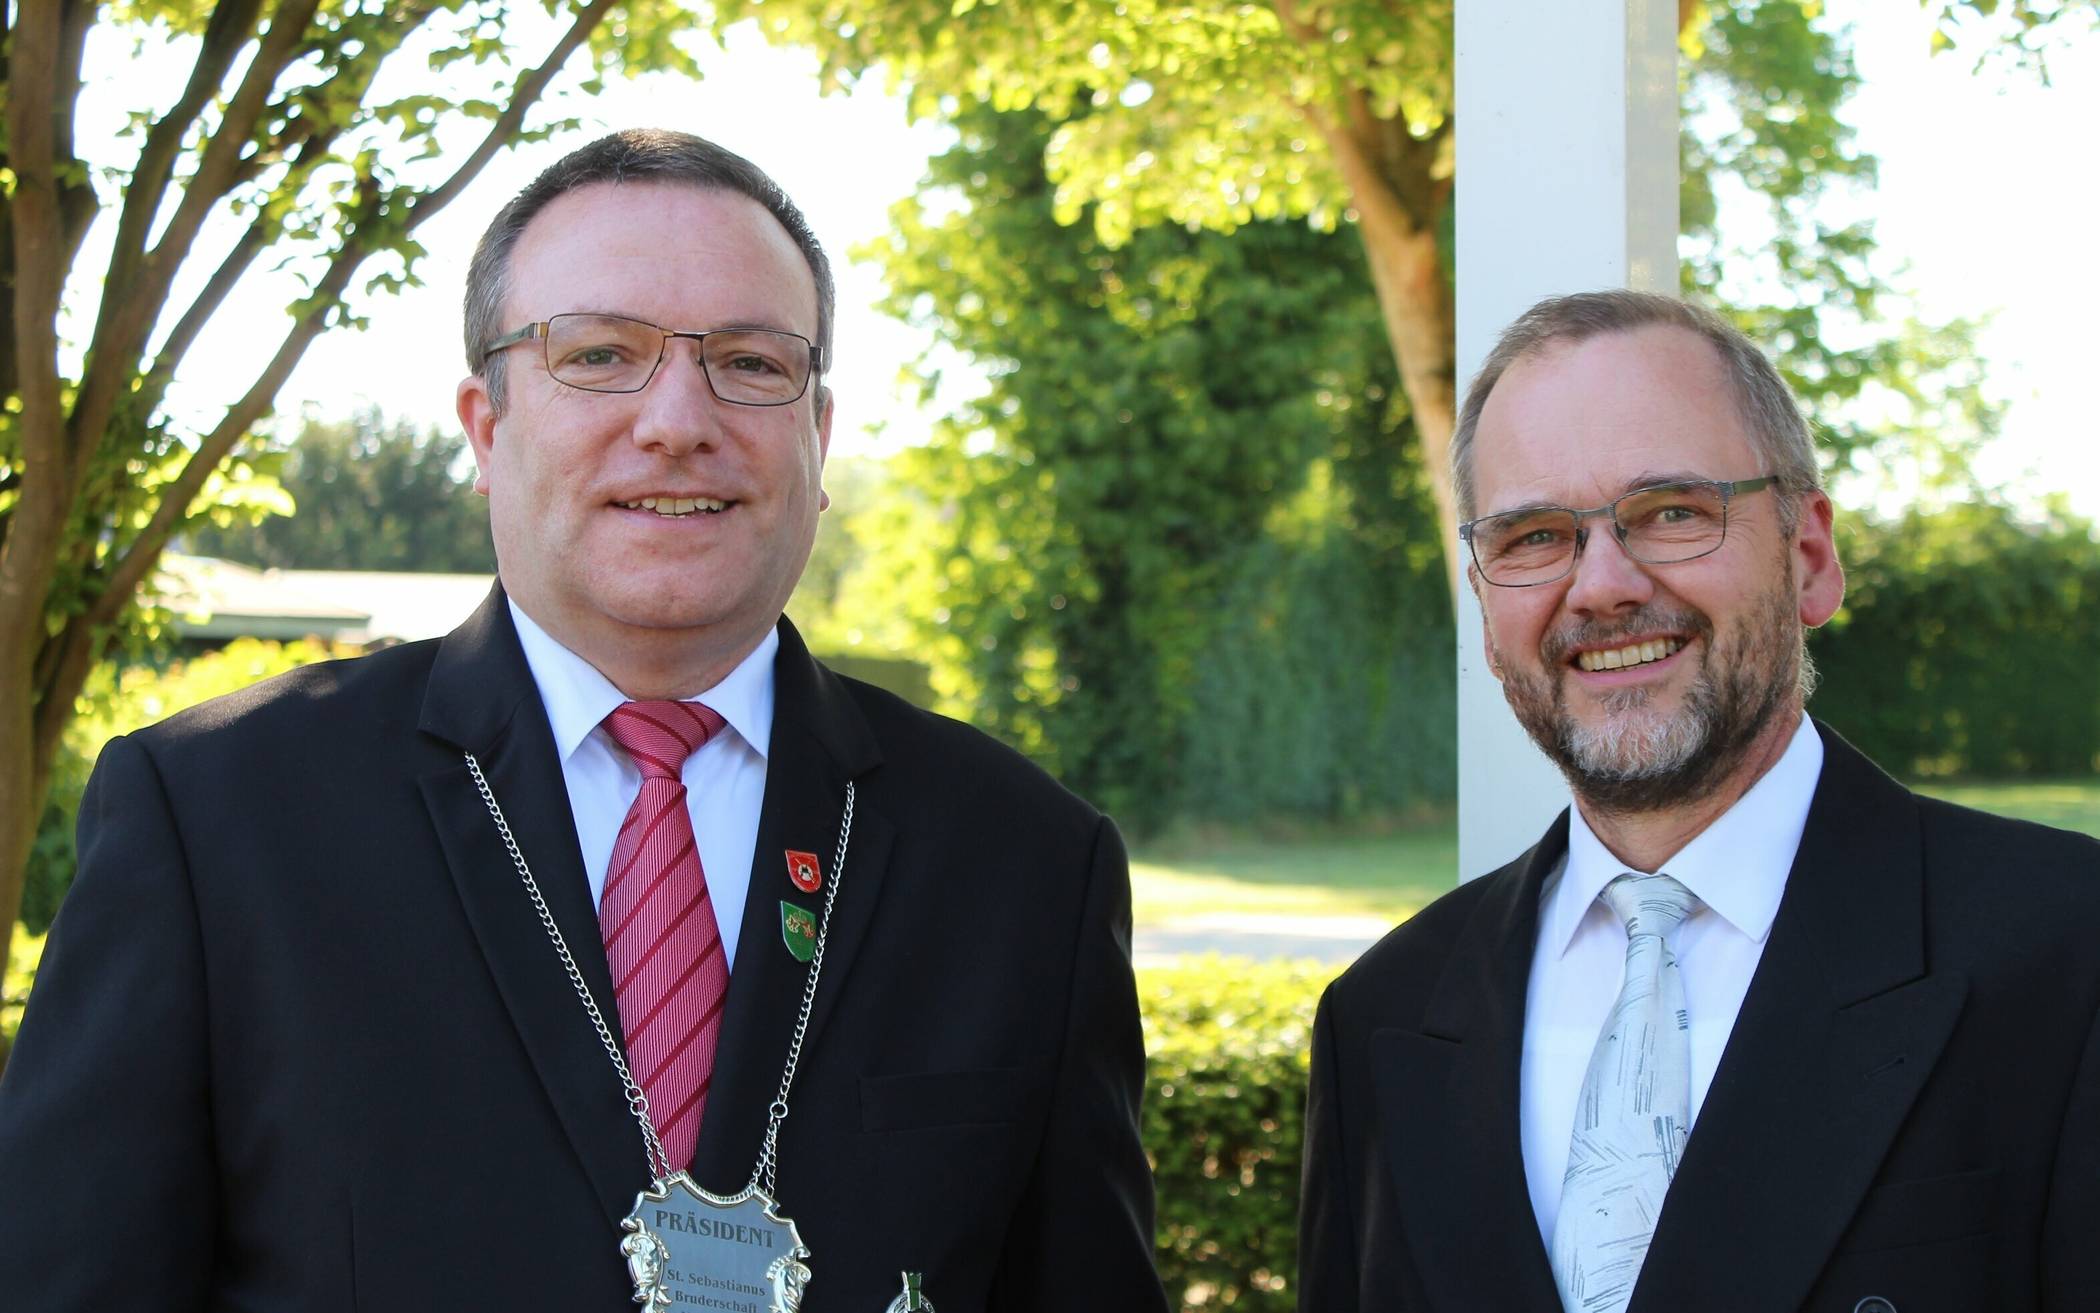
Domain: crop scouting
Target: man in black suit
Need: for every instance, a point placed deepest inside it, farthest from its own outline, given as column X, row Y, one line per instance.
column 1752, row 1027
column 307, row 1036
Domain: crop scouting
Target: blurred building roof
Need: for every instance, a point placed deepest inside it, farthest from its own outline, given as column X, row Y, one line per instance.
column 215, row 599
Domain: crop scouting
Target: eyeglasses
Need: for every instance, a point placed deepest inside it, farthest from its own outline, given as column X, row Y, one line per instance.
column 1657, row 525
column 611, row 353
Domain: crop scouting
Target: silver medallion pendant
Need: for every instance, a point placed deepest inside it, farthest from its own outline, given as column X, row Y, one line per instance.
column 687, row 1248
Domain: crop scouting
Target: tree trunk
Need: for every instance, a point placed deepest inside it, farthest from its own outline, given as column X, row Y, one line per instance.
column 20, row 801
column 1395, row 188
column 1421, row 325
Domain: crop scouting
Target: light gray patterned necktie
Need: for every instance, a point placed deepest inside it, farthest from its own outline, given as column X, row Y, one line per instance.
column 1635, row 1112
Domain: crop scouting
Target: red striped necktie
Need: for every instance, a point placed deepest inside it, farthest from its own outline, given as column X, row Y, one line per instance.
column 661, row 940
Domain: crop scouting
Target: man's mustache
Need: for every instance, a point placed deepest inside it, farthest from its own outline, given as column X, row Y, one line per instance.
column 1556, row 646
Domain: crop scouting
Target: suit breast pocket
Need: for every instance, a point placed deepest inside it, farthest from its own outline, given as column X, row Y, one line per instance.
column 1904, row 1213
column 991, row 1096
column 1923, row 1246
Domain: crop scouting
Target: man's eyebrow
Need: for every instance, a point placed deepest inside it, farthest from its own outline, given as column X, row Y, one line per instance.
column 733, row 326
column 1522, row 507
column 1650, row 478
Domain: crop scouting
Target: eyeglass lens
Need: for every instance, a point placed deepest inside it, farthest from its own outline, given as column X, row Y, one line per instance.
column 605, row 353
column 1674, row 522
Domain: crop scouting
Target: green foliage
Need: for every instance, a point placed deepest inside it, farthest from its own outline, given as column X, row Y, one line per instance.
column 1966, row 644
column 2022, row 31
column 1769, row 174
column 1226, row 1045
column 841, row 564
column 23, row 955
column 1074, row 541
column 116, row 703
column 366, row 495
column 1163, row 111
column 1327, row 689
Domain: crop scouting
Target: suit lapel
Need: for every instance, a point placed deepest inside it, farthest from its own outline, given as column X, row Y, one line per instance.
column 820, row 741
column 482, row 700
column 1841, row 1026
column 1448, row 1100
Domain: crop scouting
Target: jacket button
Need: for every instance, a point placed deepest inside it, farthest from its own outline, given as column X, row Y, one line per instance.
column 1874, row 1304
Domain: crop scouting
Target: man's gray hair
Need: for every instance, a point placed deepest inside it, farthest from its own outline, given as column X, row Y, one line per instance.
column 636, row 155
column 1762, row 398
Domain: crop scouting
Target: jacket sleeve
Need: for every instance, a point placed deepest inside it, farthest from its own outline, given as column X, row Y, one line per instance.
column 106, row 1164
column 1083, row 1234
column 1327, row 1258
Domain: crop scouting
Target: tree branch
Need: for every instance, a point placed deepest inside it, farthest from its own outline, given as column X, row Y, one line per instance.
column 312, row 152
column 58, row 685
column 228, row 30
column 140, row 556
column 39, row 147
column 34, row 143
column 128, row 313
column 175, row 498
column 77, row 201
column 528, row 91
column 194, row 320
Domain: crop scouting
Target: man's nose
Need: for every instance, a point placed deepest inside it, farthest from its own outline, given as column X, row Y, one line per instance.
column 679, row 412
column 1605, row 580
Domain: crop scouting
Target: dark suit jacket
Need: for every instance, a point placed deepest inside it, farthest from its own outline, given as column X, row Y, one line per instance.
column 299, row 1041
column 1908, row 1107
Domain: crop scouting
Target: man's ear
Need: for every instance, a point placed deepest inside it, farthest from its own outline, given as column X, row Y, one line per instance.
column 477, row 415
column 824, row 410
column 1487, row 636
column 1819, row 578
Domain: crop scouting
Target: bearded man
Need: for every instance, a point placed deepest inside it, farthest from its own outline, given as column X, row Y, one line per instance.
column 1753, row 1027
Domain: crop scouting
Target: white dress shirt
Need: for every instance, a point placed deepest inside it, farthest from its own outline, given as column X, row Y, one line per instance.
column 1737, row 867
column 725, row 781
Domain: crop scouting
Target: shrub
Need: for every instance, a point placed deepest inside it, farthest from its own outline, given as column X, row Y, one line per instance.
column 1966, row 644
column 1224, row 1118
column 22, row 957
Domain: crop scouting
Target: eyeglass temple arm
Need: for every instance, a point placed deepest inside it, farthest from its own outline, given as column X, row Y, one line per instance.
column 525, row 334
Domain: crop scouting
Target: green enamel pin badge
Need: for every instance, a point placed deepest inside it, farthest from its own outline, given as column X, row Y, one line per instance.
column 798, row 930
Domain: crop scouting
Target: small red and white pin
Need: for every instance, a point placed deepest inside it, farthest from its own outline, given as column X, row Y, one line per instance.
column 804, row 871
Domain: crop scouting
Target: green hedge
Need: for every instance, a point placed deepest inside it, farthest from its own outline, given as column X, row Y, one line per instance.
column 1224, row 1118
column 1329, row 692
column 1967, row 646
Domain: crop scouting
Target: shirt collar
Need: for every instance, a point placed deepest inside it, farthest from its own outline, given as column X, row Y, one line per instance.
column 1737, row 866
column 579, row 698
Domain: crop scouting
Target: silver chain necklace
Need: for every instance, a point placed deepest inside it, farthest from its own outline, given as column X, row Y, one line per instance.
column 762, row 1173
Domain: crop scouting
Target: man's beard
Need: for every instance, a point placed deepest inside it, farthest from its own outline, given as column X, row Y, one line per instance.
column 1640, row 758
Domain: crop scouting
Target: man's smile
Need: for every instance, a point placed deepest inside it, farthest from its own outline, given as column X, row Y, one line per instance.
column 1641, row 652
column 676, row 507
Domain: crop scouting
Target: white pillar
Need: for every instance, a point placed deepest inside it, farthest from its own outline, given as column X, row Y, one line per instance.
column 1567, row 182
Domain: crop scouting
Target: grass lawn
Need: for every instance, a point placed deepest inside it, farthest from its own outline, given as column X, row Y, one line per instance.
column 1387, row 876
column 2067, row 804
column 1392, row 876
